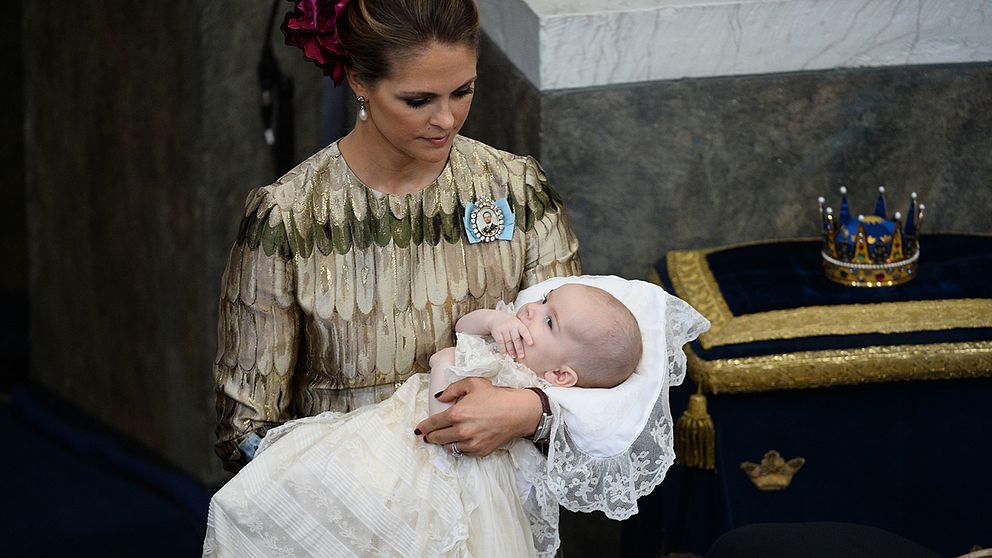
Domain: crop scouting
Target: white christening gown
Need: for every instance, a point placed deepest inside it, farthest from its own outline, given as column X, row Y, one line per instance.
column 362, row 484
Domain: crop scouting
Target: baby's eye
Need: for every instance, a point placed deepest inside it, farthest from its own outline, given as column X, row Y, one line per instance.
column 548, row 319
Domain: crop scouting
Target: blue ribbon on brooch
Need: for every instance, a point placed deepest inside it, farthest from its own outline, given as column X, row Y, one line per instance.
column 487, row 220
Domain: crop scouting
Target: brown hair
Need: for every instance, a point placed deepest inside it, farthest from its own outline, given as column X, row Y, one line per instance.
column 610, row 346
column 376, row 34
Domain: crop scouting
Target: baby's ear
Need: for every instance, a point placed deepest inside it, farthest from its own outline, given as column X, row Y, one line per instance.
column 562, row 377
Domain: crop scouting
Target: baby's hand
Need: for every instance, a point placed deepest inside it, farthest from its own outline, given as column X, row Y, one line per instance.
column 510, row 335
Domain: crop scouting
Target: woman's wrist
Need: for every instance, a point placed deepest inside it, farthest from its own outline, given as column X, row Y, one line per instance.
column 543, row 429
column 526, row 414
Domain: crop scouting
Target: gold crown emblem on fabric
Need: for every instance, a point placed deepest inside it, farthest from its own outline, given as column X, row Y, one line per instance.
column 870, row 250
column 774, row 472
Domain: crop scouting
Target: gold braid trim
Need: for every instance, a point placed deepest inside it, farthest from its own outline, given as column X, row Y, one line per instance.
column 812, row 369
column 693, row 281
column 854, row 319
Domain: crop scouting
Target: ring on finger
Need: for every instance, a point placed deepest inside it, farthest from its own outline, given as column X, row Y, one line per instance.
column 455, row 451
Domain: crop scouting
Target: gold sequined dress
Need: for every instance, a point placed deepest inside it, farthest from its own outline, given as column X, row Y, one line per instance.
column 334, row 293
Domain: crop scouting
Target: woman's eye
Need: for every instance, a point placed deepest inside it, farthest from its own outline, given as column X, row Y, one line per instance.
column 464, row 92
column 416, row 103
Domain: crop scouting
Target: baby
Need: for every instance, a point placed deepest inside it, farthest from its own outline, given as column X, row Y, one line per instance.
column 361, row 484
column 576, row 336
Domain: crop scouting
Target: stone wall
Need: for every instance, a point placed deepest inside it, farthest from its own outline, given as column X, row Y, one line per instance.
column 142, row 139
column 13, row 274
column 13, row 226
column 649, row 167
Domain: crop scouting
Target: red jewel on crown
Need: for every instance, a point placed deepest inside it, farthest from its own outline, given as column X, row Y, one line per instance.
column 872, row 250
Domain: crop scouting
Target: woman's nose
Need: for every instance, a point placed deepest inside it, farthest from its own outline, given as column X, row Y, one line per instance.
column 443, row 117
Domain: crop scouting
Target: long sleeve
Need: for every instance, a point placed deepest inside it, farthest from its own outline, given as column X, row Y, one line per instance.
column 552, row 248
column 258, row 333
column 335, row 293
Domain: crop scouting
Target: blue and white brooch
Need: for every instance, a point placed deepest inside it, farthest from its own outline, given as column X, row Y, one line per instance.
column 487, row 220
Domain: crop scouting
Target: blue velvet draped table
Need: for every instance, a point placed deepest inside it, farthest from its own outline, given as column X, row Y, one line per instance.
column 778, row 323
column 883, row 391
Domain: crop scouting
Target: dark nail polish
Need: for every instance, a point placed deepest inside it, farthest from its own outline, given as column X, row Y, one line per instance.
column 438, row 394
column 417, row 432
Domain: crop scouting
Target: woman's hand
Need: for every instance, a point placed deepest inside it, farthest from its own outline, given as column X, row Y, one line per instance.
column 484, row 418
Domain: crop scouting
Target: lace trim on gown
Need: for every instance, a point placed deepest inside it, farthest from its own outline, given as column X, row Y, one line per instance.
column 633, row 420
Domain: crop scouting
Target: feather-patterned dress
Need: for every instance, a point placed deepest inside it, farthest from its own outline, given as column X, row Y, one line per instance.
column 334, row 293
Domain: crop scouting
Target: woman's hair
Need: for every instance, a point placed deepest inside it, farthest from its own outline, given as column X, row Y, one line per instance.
column 610, row 344
column 377, row 34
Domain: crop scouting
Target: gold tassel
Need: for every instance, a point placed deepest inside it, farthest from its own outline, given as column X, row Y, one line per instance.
column 695, row 436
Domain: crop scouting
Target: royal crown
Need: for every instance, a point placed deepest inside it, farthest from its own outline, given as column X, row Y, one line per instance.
column 872, row 250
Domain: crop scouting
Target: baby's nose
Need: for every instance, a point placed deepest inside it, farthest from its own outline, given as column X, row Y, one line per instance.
column 529, row 310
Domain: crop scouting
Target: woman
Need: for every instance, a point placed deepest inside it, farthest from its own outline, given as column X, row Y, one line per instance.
column 350, row 271
column 322, row 486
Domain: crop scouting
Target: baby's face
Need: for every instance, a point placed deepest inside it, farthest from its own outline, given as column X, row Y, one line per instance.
column 552, row 323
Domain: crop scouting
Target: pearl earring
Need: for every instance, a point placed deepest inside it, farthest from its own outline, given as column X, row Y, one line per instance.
column 363, row 114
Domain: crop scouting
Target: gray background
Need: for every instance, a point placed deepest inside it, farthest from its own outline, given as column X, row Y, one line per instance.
column 142, row 137
column 130, row 149
column 650, row 167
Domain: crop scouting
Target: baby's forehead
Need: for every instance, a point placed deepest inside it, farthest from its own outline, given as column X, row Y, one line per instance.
column 590, row 302
column 576, row 292
column 578, row 289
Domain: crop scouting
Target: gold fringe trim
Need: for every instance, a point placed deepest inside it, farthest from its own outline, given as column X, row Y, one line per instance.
column 695, row 436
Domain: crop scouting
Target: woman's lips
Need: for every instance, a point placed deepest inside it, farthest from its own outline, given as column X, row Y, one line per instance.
column 438, row 141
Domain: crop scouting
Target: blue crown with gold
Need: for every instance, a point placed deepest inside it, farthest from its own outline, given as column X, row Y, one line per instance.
column 871, row 250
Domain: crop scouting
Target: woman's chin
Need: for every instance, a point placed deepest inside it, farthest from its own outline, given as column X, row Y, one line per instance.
column 434, row 154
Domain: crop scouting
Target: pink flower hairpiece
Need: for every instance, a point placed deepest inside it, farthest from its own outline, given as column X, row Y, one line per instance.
column 313, row 27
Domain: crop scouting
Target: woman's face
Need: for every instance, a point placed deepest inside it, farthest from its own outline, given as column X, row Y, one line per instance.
column 418, row 110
